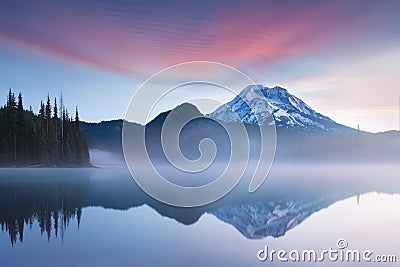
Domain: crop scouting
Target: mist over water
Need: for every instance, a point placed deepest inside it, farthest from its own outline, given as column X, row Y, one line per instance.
column 105, row 159
column 298, row 206
column 102, row 217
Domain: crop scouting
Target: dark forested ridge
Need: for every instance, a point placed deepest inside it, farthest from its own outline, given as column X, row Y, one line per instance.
column 294, row 146
column 50, row 138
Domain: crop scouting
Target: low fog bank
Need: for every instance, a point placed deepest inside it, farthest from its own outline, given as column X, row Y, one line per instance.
column 356, row 147
column 291, row 147
column 106, row 159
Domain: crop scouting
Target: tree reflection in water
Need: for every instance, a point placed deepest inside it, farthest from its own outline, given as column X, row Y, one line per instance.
column 53, row 200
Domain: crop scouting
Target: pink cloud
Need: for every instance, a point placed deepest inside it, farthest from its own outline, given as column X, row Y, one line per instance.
column 133, row 38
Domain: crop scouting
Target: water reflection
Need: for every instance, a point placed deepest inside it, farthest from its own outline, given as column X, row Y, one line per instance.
column 53, row 197
column 260, row 219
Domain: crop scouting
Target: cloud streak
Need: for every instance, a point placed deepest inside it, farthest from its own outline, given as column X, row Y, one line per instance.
column 130, row 36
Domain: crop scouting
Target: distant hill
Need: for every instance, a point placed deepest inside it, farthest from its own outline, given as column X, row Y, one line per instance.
column 302, row 133
column 105, row 135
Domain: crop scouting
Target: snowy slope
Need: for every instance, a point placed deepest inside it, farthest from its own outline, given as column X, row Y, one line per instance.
column 256, row 103
column 259, row 220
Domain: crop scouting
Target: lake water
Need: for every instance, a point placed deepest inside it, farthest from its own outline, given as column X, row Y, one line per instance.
column 99, row 217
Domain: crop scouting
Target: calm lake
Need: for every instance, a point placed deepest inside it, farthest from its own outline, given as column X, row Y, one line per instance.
column 99, row 217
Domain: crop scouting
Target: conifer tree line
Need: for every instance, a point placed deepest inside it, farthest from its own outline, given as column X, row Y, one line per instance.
column 49, row 138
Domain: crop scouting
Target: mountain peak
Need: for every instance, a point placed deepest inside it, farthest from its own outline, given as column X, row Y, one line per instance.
column 256, row 104
column 187, row 107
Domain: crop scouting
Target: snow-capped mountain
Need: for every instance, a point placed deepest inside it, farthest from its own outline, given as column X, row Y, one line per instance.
column 259, row 220
column 256, row 103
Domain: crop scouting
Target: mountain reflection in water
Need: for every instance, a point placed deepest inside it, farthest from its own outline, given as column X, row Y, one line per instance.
column 291, row 194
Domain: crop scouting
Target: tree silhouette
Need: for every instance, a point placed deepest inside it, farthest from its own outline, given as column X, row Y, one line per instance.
column 45, row 139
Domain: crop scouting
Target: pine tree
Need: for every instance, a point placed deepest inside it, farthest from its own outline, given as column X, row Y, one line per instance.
column 20, row 132
column 11, row 122
column 77, row 137
column 48, row 116
column 56, row 132
column 43, row 139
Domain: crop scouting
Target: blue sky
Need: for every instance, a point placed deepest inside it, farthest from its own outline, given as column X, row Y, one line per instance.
column 341, row 57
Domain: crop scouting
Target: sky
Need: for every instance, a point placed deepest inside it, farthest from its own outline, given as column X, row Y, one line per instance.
column 341, row 57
